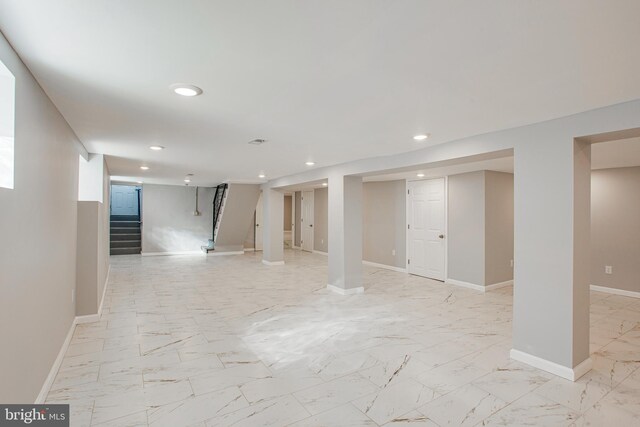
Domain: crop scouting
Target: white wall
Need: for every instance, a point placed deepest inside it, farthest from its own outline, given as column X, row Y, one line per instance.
column 168, row 223
column 38, row 232
column 91, row 177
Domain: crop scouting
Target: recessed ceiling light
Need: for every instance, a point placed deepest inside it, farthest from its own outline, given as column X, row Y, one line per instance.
column 258, row 141
column 144, row 168
column 421, row 137
column 186, row 90
column 420, row 175
column 310, row 163
column 187, row 180
column 139, row 182
column 324, row 184
column 262, row 176
column 156, row 147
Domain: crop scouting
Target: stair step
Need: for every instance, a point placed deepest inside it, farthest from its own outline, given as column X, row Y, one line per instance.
column 124, row 230
column 125, row 224
column 125, row 251
column 115, row 244
column 132, row 236
column 125, row 218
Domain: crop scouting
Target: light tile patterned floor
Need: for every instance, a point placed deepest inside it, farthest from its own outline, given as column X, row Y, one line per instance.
column 227, row 341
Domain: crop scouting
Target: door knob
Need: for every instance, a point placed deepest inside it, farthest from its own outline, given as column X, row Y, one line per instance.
column 441, row 236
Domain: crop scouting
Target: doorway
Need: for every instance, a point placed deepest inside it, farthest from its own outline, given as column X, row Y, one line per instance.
column 125, row 221
column 306, row 221
column 426, row 203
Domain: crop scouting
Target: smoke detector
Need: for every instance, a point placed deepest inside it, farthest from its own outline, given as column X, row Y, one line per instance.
column 257, row 141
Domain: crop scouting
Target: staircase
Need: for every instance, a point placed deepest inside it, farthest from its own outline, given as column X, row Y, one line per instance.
column 125, row 235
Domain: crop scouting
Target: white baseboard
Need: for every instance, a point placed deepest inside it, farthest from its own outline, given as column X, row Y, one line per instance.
column 341, row 291
column 249, row 249
column 87, row 318
column 199, row 253
column 615, row 291
column 320, row 253
column 173, row 253
column 479, row 287
column 465, row 284
column 48, row 382
column 265, row 262
column 571, row 374
column 214, row 253
column 385, row 266
column 499, row 285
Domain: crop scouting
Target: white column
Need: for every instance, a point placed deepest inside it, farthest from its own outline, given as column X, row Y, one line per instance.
column 345, row 234
column 273, row 227
column 551, row 268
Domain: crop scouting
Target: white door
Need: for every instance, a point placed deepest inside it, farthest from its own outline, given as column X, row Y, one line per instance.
column 426, row 228
column 259, row 227
column 306, row 221
column 124, row 200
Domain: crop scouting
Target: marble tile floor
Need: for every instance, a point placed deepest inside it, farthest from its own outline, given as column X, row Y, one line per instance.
column 227, row 341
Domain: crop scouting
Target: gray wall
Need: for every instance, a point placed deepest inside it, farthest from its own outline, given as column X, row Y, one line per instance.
column 237, row 215
column 298, row 202
column 320, row 220
column 480, row 227
column 89, row 244
column 465, row 223
column 615, row 227
column 168, row 223
column 287, row 213
column 498, row 227
column 38, row 229
column 250, row 239
column 92, row 253
column 383, row 225
column 384, row 222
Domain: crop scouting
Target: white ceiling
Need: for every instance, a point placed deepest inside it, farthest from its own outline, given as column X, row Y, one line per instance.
column 329, row 81
column 604, row 155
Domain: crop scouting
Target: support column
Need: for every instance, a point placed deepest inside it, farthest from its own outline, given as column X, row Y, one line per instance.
column 273, row 227
column 345, row 234
column 551, row 267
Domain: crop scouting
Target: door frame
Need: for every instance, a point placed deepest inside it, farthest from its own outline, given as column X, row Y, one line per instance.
column 302, row 225
column 446, row 223
column 257, row 225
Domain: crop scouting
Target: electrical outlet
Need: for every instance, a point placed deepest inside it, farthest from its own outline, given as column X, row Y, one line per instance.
column 393, row 252
column 511, row 263
column 608, row 269
column 73, row 295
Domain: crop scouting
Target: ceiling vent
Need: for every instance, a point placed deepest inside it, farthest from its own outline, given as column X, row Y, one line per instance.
column 257, row 141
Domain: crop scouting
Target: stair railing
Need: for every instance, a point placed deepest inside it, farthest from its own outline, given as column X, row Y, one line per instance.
column 218, row 200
